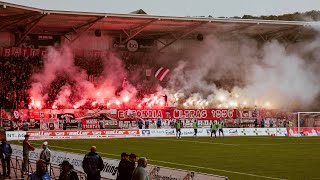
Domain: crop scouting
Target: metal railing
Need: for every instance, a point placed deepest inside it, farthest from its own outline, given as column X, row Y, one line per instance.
column 16, row 171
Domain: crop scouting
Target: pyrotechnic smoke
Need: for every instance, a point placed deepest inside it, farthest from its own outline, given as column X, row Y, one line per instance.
column 216, row 72
column 239, row 73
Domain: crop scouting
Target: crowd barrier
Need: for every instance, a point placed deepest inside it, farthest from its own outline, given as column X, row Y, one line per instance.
column 16, row 168
column 110, row 169
column 130, row 133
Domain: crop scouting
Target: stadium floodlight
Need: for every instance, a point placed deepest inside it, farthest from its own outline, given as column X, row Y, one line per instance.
column 308, row 120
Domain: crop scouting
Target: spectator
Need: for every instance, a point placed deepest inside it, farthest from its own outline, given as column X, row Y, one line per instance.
column 123, row 172
column 255, row 123
column 271, row 123
column 101, row 124
column 67, row 172
column 140, row 173
column 25, row 126
column 6, row 152
column 132, row 165
column 262, row 123
column 284, row 123
column 159, row 123
column 11, row 125
column 64, row 125
column 41, row 171
column 147, row 124
column 140, row 123
column 26, row 149
column 45, row 154
column 92, row 164
column 79, row 124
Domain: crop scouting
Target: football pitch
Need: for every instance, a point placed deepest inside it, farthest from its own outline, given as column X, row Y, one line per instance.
column 234, row 157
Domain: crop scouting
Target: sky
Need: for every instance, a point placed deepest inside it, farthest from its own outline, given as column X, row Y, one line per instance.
column 215, row 8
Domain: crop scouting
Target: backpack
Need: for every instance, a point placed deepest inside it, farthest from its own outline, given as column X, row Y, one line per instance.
column 90, row 164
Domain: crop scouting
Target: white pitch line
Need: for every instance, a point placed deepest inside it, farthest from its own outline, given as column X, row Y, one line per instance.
column 222, row 170
column 228, row 144
column 185, row 165
column 200, row 142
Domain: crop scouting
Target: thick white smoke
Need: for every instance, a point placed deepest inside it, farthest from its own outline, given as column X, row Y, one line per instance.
column 239, row 73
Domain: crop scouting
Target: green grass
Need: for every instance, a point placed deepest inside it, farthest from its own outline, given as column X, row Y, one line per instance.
column 276, row 157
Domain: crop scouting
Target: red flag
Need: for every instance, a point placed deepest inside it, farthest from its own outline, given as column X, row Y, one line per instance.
column 161, row 73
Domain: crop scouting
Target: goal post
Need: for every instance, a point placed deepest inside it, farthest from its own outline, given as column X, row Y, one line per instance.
column 308, row 122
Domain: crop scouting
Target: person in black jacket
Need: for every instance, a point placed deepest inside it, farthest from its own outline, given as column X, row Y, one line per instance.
column 92, row 164
column 123, row 173
column 132, row 164
column 6, row 152
column 67, row 172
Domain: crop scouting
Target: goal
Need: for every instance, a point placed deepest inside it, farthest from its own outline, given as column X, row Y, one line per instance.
column 308, row 124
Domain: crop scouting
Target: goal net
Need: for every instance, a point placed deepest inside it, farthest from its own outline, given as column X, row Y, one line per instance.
column 306, row 124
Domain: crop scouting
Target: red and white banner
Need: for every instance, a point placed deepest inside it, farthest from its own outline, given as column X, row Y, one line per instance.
column 248, row 114
column 199, row 114
column 29, row 52
column 304, row 131
column 169, row 113
column 17, row 51
column 90, row 124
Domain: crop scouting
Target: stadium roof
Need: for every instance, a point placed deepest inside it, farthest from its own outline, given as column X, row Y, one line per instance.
column 18, row 18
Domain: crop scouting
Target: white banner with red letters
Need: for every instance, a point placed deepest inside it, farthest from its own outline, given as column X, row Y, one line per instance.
column 167, row 132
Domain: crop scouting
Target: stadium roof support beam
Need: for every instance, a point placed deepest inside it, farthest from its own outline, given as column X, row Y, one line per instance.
column 89, row 24
column 16, row 20
column 191, row 29
column 272, row 34
column 16, row 16
column 35, row 22
column 140, row 29
column 74, row 29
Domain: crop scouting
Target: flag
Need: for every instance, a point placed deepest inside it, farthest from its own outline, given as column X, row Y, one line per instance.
column 91, row 78
column 161, row 73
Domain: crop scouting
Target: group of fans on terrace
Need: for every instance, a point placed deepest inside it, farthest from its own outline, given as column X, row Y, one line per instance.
column 16, row 81
column 15, row 73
